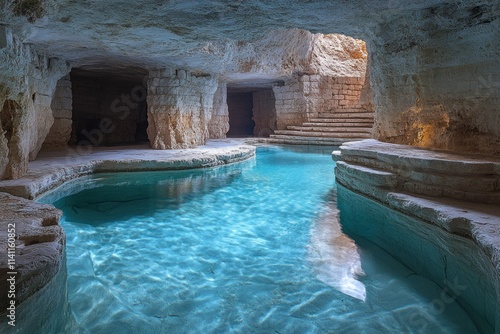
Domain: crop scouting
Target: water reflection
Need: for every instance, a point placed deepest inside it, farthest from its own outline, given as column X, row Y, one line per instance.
column 103, row 198
column 335, row 257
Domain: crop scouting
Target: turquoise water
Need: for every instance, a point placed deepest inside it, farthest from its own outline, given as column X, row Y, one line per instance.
column 254, row 247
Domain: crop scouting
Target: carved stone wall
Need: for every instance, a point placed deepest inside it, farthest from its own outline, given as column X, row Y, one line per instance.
column 179, row 108
column 62, row 107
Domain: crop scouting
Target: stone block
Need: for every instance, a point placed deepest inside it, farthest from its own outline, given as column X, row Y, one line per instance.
column 315, row 78
column 181, row 75
column 167, row 73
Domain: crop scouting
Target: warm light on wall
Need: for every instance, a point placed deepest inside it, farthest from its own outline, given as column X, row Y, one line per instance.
column 427, row 128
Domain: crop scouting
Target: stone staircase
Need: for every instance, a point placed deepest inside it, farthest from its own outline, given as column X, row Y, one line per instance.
column 332, row 128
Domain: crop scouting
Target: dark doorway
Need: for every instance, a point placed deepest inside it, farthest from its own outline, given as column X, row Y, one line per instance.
column 108, row 109
column 240, row 106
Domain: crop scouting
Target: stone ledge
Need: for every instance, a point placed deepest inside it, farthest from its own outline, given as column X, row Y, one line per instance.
column 39, row 242
column 53, row 167
column 472, row 178
column 380, row 172
column 370, row 167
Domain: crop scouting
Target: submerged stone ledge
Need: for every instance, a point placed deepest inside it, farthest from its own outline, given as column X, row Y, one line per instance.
column 39, row 238
column 459, row 194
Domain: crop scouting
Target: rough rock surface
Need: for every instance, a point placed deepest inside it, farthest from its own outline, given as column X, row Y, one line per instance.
column 27, row 82
column 62, row 108
column 432, row 87
column 186, row 98
column 472, row 178
column 39, row 242
column 218, row 125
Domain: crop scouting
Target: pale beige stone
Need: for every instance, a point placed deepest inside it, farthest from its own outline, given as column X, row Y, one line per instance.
column 60, row 133
column 39, row 245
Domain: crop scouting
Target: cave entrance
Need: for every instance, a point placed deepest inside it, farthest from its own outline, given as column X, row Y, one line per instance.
column 252, row 111
column 109, row 108
column 240, row 107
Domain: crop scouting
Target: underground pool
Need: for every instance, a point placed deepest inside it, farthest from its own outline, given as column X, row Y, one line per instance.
column 253, row 247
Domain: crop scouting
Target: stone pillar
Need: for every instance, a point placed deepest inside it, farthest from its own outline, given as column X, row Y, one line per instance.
column 218, row 126
column 62, row 108
column 179, row 108
column 291, row 104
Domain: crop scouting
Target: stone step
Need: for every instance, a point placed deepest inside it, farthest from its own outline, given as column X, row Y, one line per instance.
column 297, row 140
column 350, row 134
column 358, row 129
column 339, row 120
column 345, row 111
column 345, row 115
column 366, row 124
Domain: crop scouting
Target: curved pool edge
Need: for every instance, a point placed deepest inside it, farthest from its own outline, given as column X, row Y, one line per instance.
column 53, row 168
column 40, row 240
column 396, row 185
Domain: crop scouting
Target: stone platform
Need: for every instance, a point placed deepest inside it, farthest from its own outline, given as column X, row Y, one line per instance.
column 452, row 199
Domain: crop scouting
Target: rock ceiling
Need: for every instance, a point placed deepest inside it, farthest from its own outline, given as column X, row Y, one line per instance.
column 203, row 35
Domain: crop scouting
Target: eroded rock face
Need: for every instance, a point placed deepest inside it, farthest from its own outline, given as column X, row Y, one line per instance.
column 27, row 83
column 39, row 242
column 436, row 78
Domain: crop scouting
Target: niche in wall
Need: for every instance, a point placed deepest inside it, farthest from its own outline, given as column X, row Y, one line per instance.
column 108, row 109
column 240, row 107
column 252, row 112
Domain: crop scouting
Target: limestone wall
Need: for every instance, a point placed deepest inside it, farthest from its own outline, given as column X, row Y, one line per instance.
column 282, row 53
column 218, row 125
column 325, row 94
column 62, row 108
column 179, row 108
column 291, row 105
column 27, row 83
column 264, row 112
column 304, row 97
column 436, row 78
